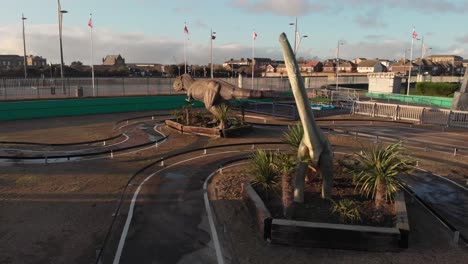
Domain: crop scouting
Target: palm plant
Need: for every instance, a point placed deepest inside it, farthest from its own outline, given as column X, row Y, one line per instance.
column 261, row 166
column 377, row 171
column 223, row 112
column 294, row 136
column 284, row 164
column 347, row 211
column 177, row 114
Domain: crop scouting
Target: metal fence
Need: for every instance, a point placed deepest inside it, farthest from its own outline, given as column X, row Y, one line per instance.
column 423, row 115
column 50, row 88
column 20, row 89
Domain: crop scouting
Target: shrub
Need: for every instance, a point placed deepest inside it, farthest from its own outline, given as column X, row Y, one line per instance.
column 377, row 171
column 178, row 114
column 436, row 89
column 294, row 135
column 284, row 164
column 261, row 166
column 347, row 211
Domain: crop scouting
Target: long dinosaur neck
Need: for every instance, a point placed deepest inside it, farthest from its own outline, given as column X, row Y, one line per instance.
column 311, row 131
column 464, row 87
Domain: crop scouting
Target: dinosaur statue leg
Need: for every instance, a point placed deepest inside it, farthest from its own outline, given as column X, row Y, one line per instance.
column 215, row 111
column 301, row 170
column 326, row 170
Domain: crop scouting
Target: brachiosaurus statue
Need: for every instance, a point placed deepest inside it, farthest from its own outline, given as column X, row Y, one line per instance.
column 460, row 99
column 314, row 145
column 214, row 92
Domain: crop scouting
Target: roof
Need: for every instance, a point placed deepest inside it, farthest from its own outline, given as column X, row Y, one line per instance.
column 311, row 64
column 10, row 57
column 441, row 56
column 347, row 64
column 368, row 63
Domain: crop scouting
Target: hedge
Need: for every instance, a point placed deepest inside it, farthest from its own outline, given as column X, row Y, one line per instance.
column 436, row 89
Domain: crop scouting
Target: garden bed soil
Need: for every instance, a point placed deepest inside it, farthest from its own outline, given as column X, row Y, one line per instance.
column 316, row 209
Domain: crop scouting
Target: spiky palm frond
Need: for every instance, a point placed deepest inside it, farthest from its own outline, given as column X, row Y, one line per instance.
column 224, row 110
column 379, row 167
column 261, row 166
column 284, row 163
column 347, row 211
column 294, row 136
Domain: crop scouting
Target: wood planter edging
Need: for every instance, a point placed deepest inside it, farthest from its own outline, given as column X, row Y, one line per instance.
column 205, row 131
column 326, row 235
column 258, row 209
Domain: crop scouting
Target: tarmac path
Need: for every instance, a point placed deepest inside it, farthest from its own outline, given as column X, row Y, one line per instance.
column 170, row 225
column 169, row 222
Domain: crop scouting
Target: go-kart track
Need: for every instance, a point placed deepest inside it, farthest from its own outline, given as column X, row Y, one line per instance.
column 164, row 215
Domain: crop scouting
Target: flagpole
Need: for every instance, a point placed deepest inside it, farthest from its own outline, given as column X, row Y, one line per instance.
column 92, row 53
column 410, row 63
column 422, row 55
column 253, row 58
column 185, row 52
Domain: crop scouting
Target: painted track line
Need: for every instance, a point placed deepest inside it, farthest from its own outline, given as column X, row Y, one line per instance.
column 123, row 237
column 214, row 233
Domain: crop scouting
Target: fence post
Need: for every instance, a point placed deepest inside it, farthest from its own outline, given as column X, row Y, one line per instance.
column 397, row 109
column 123, row 86
column 68, row 86
column 147, row 86
column 449, row 118
column 4, row 89
column 421, row 118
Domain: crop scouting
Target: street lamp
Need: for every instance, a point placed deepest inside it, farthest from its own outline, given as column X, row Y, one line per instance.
column 404, row 58
column 295, row 35
column 338, row 60
column 60, row 19
column 24, row 49
column 300, row 40
column 212, row 37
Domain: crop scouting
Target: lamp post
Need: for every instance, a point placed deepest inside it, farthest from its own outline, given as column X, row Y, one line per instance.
column 24, row 49
column 300, row 40
column 295, row 35
column 338, row 60
column 404, row 58
column 212, row 37
column 60, row 19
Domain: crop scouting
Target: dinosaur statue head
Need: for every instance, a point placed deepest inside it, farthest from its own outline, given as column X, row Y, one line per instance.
column 178, row 84
column 182, row 82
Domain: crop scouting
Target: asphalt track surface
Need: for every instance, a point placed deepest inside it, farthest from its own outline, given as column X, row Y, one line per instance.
column 170, row 225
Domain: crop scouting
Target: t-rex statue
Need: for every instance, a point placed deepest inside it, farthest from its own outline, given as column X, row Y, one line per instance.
column 214, row 92
column 314, row 145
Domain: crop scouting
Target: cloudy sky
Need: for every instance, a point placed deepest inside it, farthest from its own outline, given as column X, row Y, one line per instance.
column 152, row 30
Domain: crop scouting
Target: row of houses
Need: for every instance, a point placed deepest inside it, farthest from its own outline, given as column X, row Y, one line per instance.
column 432, row 65
column 12, row 61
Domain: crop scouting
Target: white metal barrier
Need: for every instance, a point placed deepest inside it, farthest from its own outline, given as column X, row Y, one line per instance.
column 386, row 110
column 458, row 119
column 422, row 115
column 409, row 113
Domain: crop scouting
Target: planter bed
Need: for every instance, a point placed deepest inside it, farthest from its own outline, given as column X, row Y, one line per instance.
column 326, row 234
column 206, row 131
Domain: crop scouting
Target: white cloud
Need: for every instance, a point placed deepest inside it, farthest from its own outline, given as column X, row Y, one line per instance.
column 42, row 40
column 463, row 39
column 370, row 19
column 280, row 7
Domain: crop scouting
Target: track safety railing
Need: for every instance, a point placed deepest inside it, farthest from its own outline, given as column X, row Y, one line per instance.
column 422, row 115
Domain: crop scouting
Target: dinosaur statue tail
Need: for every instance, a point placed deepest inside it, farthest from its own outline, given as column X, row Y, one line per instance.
column 240, row 93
